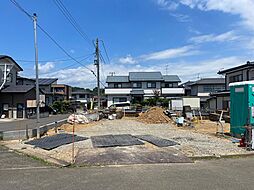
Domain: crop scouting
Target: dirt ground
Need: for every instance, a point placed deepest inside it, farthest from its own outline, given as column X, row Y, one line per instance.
column 195, row 142
column 209, row 127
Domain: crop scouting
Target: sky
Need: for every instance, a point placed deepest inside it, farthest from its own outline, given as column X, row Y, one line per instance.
column 190, row 38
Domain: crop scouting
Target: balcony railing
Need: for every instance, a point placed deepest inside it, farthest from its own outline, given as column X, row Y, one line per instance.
column 126, row 91
column 172, row 91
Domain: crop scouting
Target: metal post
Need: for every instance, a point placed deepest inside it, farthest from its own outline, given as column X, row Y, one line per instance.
column 73, row 141
column 97, row 63
column 37, row 77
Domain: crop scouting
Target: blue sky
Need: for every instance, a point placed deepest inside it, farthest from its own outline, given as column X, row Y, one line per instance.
column 191, row 37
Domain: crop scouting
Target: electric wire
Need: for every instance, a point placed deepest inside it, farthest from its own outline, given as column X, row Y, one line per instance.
column 52, row 60
column 52, row 39
column 105, row 50
column 72, row 20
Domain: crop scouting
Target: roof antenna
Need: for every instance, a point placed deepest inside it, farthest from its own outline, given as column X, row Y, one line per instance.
column 198, row 76
column 112, row 73
column 166, row 69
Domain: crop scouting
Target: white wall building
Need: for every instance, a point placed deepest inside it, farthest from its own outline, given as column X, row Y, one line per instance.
column 138, row 86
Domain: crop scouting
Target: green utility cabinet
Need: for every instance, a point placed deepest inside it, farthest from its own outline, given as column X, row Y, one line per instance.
column 241, row 106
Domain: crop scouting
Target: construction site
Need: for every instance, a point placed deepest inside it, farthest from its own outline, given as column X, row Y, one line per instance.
column 113, row 137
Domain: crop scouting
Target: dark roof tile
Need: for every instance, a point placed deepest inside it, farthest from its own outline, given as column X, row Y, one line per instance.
column 117, row 79
column 145, row 76
column 171, row 78
column 17, row 89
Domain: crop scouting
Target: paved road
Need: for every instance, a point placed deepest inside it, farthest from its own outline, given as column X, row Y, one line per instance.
column 232, row 174
column 10, row 160
column 31, row 123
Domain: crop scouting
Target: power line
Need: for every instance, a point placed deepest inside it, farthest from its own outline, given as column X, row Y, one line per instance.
column 60, row 47
column 53, row 60
column 21, row 9
column 78, row 28
column 50, row 37
column 104, row 47
column 102, row 63
column 70, row 65
column 72, row 20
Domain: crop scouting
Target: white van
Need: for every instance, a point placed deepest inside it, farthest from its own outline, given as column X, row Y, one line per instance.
column 120, row 105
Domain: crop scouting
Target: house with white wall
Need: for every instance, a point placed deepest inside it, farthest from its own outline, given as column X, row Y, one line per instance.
column 245, row 72
column 138, row 86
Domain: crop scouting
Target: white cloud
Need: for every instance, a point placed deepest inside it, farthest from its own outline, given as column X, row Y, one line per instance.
column 72, row 51
column 243, row 8
column 169, row 5
column 127, row 60
column 204, row 68
column 82, row 77
column 227, row 36
column 170, row 53
column 46, row 67
column 181, row 17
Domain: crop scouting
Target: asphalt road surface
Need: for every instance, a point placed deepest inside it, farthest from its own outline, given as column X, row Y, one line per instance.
column 31, row 123
column 26, row 173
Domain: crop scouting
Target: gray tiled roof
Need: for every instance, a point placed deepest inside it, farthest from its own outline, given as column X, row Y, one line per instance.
column 10, row 58
column 145, row 76
column 187, row 85
column 117, row 79
column 17, row 89
column 209, row 81
column 248, row 65
column 171, row 78
column 46, row 81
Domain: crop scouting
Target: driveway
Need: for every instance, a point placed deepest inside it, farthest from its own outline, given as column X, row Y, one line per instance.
column 30, row 123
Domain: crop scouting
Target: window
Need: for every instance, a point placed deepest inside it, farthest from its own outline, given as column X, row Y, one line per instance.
column 151, row 85
column 119, row 99
column 213, row 88
column 168, row 85
column 59, row 89
column 137, row 85
column 82, row 96
column 117, row 85
column 236, row 78
column 9, row 78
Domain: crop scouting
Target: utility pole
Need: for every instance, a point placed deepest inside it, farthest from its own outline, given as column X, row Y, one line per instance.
column 37, row 77
column 97, row 63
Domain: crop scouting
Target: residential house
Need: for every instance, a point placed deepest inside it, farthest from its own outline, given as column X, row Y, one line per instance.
column 245, row 72
column 202, row 88
column 81, row 95
column 187, row 87
column 45, row 85
column 14, row 99
column 61, row 92
column 138, row 86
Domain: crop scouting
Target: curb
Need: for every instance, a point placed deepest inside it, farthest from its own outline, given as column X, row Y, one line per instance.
column 196, row 158
column 44, row 158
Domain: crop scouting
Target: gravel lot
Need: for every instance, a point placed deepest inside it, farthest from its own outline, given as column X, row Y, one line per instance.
column 192, row 144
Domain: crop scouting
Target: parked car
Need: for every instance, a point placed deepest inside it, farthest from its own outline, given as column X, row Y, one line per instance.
column 120, row 105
